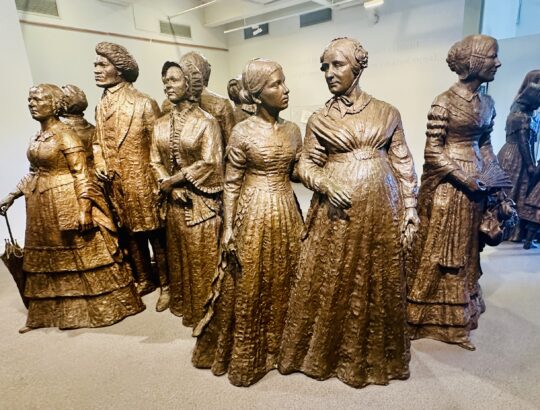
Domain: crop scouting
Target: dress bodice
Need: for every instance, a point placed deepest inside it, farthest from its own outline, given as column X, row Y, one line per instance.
column 265, row 149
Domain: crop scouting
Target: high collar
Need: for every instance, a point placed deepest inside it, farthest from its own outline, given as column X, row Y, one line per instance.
column 115, row 88
column 346, row 104
column 463, row 92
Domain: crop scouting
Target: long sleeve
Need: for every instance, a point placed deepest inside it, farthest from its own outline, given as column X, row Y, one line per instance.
column 206, row 174
column 76, row 160
column 235, row 169
column 403, row 165
column 435, row 158
column 97, row 151
column 156, row 164
column 227, row 121
column 297, row 140
column 309, row 173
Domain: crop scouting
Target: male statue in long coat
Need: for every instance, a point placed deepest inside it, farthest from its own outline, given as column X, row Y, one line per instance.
column 124, row 123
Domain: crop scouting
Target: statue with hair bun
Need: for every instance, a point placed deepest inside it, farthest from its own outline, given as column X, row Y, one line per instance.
column 187, row 163
column 241, row 111
column 444, row 295
column 517, row 155
column 75, row 272
column 346, row 315
column 73, row 116
column 241, row 333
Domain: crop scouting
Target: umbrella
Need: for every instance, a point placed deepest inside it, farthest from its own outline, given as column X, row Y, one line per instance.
column 13, row 259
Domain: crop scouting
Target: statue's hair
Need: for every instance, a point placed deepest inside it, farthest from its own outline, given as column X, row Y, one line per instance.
column 56, row 95
column 75, row 98
column 233, row 88
column 353, row 51
column 466, row 57
column 121, row 59
column 254, row 77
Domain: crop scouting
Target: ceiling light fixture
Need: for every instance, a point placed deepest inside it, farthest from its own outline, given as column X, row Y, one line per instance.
column 373, row 3
column 200, row 6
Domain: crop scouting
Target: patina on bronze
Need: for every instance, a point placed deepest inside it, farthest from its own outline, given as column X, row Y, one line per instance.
column 124, row 123
column 346, row 315
column 241, row 336
column 214, row 104
column 75, row 274
column 241, row 111
column 517, row 154
column 187, row 161
column 73, row 116
column 444, row 296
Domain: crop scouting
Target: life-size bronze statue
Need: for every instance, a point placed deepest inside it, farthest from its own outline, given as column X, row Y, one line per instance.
column 76, row 104
column 346, row 315
column 241, row 111
column 262, row 226
column 75, row 275
column 517, row 154
column 444, row 296
column 124, row 123
column 214, row 104
column 187, row 161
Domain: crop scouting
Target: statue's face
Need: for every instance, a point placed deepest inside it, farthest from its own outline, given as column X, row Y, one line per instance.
column 105, row 73
column 40, row 104
column 275, row 94
column 491, row 64
column 175, row 85
column 338, row 72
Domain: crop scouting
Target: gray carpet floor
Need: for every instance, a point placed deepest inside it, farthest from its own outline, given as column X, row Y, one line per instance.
column 144, row 361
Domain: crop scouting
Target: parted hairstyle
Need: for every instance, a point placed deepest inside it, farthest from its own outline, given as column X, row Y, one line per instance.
column 467, row 56
column 56, row 96
column 254, row 77
column 352, row 50
column 75, row 99
column 121, row 59
column 193, row 77
column 199, row 61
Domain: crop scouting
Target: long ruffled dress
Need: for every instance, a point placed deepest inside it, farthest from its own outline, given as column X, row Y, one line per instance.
column 515, row 155
column 445, row 298
column 189, row 142
column 73, row 279
column 347, row 310
column 244, row 334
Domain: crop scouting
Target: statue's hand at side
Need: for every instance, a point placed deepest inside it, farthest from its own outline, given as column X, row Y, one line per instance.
column 85, row 215
column 6, row 203
column 337, row 195
column 228, row 243
column 410, row 225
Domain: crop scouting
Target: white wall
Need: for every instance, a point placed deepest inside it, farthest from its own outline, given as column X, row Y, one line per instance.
column 500, row 17
column 407, row 52
column 518, row 56
column 16, row 126
column 61, row 57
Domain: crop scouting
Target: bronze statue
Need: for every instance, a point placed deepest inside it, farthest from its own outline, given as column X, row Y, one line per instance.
column 75, row 275
column 444, row 296
column 241, row 111
column 124, row 122
column 346, row 315
column 187, row 161
column 73, row 116
column 517, row 154
column 214, row 104
column 530, row 211
column 262, row 225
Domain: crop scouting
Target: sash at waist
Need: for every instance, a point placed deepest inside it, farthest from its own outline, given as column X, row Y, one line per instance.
column 463, row 151
column 360, row 154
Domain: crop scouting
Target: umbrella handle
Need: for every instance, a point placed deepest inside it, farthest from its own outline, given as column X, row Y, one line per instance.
column 9, row 228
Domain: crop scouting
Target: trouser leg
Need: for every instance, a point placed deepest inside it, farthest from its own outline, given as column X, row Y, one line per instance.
column 157, row 240
column 140, row 256
column 532, row 229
